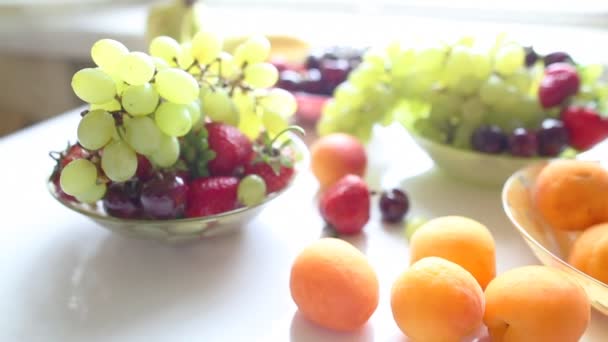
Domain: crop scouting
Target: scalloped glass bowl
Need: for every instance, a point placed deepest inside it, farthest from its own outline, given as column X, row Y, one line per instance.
column 187, row 229
column 550, row 245
column 472, row 167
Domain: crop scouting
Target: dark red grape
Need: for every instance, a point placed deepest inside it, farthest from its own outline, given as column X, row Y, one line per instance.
column 531, row 56
column 144, row 168
column 333, row 72
column 489, row 139
column 552, row 138
column 313, row 61
column 290, row 80
column 311, row 82
column 121, row 200
column 522, row 143
column 394, row 204
column 557, row 57
column 164, row 196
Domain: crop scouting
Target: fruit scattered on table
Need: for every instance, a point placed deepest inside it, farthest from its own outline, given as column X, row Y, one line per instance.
column 333, row 285
column 462, row 240
column 345, row 205
column 474, row 95
column 572, row 194
column 336, row 155
column 437, row 300
column 536, row 303
column 394, row 205
column 166, row 130
column 589, row 253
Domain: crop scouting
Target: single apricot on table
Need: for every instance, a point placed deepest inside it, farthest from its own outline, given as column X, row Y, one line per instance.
column 436, row 300
column 536, row 303
column 458, row 239
column 333, row 285
column 589, row 253
column 336, row 155
column 572, row 194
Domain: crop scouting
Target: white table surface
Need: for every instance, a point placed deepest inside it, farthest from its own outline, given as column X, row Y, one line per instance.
column 62, row 278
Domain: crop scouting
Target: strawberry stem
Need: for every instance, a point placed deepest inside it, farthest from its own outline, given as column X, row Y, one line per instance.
column 292, row 128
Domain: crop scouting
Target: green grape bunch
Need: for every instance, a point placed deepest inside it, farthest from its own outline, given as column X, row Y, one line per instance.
column 146, row 104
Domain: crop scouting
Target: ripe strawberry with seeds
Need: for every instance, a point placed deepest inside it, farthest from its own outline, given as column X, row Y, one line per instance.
column 585, row 127
column 232, row 149
column 346, row 205
column 211, row 195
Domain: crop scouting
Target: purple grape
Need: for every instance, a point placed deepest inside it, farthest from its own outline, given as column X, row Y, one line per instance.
column 289, row 80
column 164, row 197
column 313, row 61
column 121, row 200
column 489, row 139
column 522, row 143
column 531, row 56
column 552, row 138
column 333, row 72
column 394, row 204
column 311, row 82
column 557, row 57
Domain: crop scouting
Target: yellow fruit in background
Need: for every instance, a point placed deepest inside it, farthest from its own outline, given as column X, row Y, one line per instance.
column 461, row 240
column 536, row 303
column 333, row 285
column 436, row 300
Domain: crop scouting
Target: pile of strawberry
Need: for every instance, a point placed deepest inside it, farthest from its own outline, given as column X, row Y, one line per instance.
column 220, row 169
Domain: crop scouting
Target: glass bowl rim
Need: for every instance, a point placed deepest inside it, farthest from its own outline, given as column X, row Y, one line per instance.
column 506, row 208
column 300, row 165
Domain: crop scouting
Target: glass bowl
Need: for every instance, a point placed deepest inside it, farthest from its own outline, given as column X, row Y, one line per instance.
column 472, row 167
column 185, row 229
column 550, row 245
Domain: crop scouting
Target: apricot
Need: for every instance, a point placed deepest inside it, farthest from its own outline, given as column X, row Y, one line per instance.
column 436, row 300
column 572, row 194
column 536, row 303
column 590, row 252
column 461, row 240
column 333, row 285
column 336, row 155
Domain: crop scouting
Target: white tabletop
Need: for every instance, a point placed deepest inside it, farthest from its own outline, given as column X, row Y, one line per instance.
column 62, row 278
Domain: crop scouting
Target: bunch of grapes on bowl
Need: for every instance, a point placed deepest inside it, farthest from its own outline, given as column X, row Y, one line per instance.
column 314, row 79
column 186, row 130
column 496, row 97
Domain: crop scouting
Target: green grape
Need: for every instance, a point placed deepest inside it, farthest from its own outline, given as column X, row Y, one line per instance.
column 167, row 153
column 426, row 129
column 346, row 94
column 93, row 194
column 492, row 90
column 140, row 99
column 365, row 75
column 250, row 124
column 120, row 85
column 280, row 101
column 194, row 109
column 509, row 100
column 482, row 62
column 509, row 59
column 78, row 176
column 462, row 136
column 185, row 58
column 521, row 80
column 143, row 135
column 251, row 190
column 590, row 73
column 460, row 63
column 165, row 48
column 177, row 86
column 243, row 101
column 218, row 106
column 261, row 75
column 224, row 67
column 112, row 106
column 160, row 63
column 376, row 57
column 256, row 49
column 430, row 58
column 403, row 62
column 466, row 85
column 106, row 53
column 94, row 86
column 136, row 68
column 96, row 129
column 273, row 122
column 173, row 119
column 473, row 111
column 206, row 46
column 119, row 161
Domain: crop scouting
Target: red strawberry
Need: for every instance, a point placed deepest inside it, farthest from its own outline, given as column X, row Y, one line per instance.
column 232, row 149
column 211, row 195
column 561, row 80
column 346, row 205
column 585, row 127
column 74, row 152
column 275, row 181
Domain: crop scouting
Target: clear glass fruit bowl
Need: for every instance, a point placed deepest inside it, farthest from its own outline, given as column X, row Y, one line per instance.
column 473, row 167
column 186, row 229
column 550, row 245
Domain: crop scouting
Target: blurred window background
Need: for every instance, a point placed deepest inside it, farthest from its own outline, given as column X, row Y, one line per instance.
column 43, row 42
